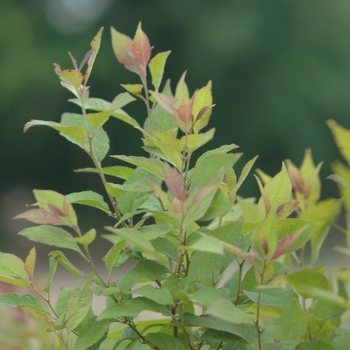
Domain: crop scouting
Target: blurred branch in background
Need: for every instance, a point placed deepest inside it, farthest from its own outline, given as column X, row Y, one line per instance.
column 279, row 70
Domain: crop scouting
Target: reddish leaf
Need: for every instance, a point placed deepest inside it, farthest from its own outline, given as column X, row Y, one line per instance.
column 40, row 216
column 286, row 243
column 141, row 47
column 122, row 46
column 175, row 183
column 55, row 209
column 166, row 102
column 295, row 176
column 185, row 111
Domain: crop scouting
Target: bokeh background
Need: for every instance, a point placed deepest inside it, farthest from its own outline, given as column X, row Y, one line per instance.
column 280, row 69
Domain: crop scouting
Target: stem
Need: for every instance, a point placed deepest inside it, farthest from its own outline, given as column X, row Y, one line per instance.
column 257, row 321
column 240, row 264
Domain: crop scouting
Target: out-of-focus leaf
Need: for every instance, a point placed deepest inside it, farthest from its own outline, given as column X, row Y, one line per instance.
column 62, row 260
column 89, row 198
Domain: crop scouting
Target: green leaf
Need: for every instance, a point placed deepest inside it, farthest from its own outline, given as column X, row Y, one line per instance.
column 195, row 141
column 304, row 279
column 12, row 270
column 50, row 235
column 225, row 310
column 314, row 345
column 154, row 166
column 203, row 263
column 272, row 297
column 97, row 120
column 91, row 333
column 61, row 258
column 133, row 307
column 208, row 244
column 244, row 331
column 209, row 164
column 74, row 134
column 206, row 295
column 100, row 141
column 53, row 263
column 87, row 238
column 165, row 247
column 78, row 304
column 165, row 341
column 122, row 100
column 164, row 150
column 92, row 103
column 342, row 138
column 145, row 269
column 160, row 296
column 203, row 98
column 291, row 325
column 219, row 206
column 156, row 67
column 278, row 189
column 123, row 116
column 113, row 254
column 89, row 198
column 134, row 237
column 26, row 301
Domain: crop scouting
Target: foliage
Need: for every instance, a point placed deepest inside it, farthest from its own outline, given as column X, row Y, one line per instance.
column 184, row 226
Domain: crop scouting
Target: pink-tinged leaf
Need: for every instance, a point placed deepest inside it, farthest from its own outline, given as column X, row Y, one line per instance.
column 166, row 102
column 175, row 183
column 181, row 91
column 250, row 256
column 185, row 111
column 286, row 243
column 55, row 210
column 141, row 47
column 286, row 209
column 74, row 61
column 295, row 176
column 122, row 47
column 41, row 217
column 29, row 263
column 85, row 59
column 203, row 111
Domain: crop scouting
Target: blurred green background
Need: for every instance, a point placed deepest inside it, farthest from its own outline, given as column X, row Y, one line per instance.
column 279, row 70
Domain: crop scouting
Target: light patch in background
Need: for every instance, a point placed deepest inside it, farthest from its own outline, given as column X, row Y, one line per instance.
column 71, row 16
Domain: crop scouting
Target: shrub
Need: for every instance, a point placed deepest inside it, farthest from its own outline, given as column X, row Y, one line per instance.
column 184, row 226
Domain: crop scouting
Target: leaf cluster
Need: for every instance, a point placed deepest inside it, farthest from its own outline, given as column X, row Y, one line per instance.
column 219, row 270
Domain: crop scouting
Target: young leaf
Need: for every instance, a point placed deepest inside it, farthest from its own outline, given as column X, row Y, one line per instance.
column 156, row 67
column 29, row 264
column 122, row 47
column 41, row 217
column 203, row 99
column 95, row 47
column 141, row 47
column 87, row 238
column 112, row 255
column 50, row 235
column 175, row 183
column 342, row 138
column 181, row 91
column 61, row 258
column 121, row 100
